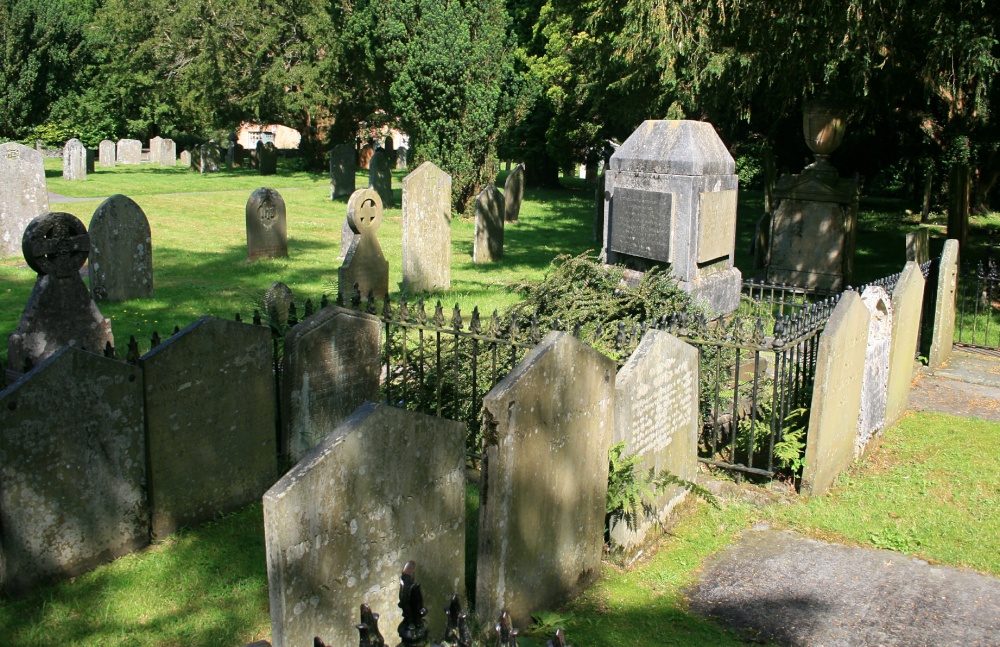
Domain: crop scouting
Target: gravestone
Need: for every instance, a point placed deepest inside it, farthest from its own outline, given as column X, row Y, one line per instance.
column 943, row 333
column 364, row 263
column 657, row 417
column 670, row 199
column 210, row 422
column 548, row 428
column 487, row 244
column 599, row 209
column 874, row 382
column 211, row 158
column 365, row 156
column 267, row 158
column 918, row 246
column 401, row 160
column 230, row 154
column 380, row 177
column 907, row 304
column 513, row 194
column 427, row 229
column 121, row 251
column 129, row 151
column 387, row 486
column 23, row 193
column 166, row 152
column 74, row 160
column 267, row 233
column 836, row 398
column 72, row 468
column 278, row 299
column 342, row 171
column 60, row 311
column 239, row 155
column 155, row 149
column 91, row 159
column 332, row 364
column 106, row 154
column 185, row 159
column 347, row 238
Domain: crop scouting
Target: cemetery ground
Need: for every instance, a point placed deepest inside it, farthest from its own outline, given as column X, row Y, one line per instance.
column 930, row 489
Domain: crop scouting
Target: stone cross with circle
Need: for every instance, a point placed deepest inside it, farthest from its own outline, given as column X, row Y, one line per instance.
column 56, row 244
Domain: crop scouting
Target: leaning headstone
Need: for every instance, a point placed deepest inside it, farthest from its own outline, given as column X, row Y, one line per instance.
column 545, row 469
column 380, row 177
column 267, row 232
column 267, row 158
column 364, row 263
column 155, row 149
column 129, row 151
column 836, row 399
column 918, row 246
column 427, row 229
column 278, row 299
column 211, row 157
column 513, row 194
column 871, row 417
column 72, row 468
column 907, row 304
column 185, row 159
column 210, row 422
column 106, row 154
column 121, row 251
column 487, row 244
column 332, row 364
column 943, row 334
column 657, row 417
column 387, row 486
column 342, row 171
column 401, row 160
column 74, row 160
column 60, row 311
column 23, row 193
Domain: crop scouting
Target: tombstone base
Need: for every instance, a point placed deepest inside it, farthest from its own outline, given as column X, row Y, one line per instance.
column 719, row 291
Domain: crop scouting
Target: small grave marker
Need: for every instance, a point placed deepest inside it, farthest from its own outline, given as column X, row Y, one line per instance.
column 487, row 245
column 267, row 231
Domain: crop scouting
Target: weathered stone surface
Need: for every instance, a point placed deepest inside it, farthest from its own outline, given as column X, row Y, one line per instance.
column 106, row 154
column 871, row 417
column 513, row 194
column 162, row 151
column 185, row 159
column 278, row 299
column 347, row 237
column 836, row 400
column 943, row 335
column 267, row 230
column 656, row 415
column 548, row 428
column 23, row 193
column 364, row 263
column 401, row 158
column 121, row 251
column 427, row 229
column 72, row 468
column 811, row 243
column 60, row 311
column 74, row 160
column 154, row 149
column 267, row 158
column 380, row 177
column 487, row 245
column 129, row 151
column 211, row 158
column 332, row 364
column 918, row 245
column 907, row 304
column 343, row 167
column 385, row 487
column 210, row 422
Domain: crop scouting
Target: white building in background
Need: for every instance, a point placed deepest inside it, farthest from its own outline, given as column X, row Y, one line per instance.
column 281, row 136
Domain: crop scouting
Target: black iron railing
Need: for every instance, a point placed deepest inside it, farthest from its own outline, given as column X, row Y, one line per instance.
column 978, row 309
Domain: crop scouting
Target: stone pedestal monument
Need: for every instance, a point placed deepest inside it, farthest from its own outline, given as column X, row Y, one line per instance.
column 670, row 199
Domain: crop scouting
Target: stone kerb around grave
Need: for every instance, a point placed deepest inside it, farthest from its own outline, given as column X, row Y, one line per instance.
column 72, row 468
column 210, row 422
column 547, row 431
column 943, row 334
column 427, row 229
column 121, row 251
column 387, row 486
column 656, row 415
column 23, row 193
column 907, row 304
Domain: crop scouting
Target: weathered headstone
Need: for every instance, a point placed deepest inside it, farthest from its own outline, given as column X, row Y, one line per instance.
column 548, row 428
column 155, row 149
column 670, row 198
column 267, row 158
column 364, row 263
column 185, row 159
column 60, row 311
column 836, row 399
column 106, row 154
column 657, row 417
column 380, row 177
column 23, row 193
column 211, row 157
column 129, row 151
column 907, row 304
column 943, row 334
column 342, row 171
column 278, row 299
column 385, row 487
column 210, row 422
column 871, row 417
column 332, row 364
column 72, row 468
column 918, row 246
column 401, row 157
column 267, row 233
column 74, row 160
column 487, row 243
column 121, row 251
column 427, row 229
column 513, row 194
column 165, row 151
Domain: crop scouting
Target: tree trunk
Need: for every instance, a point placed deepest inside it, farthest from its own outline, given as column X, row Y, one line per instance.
column 925, row 209
column 958, row 211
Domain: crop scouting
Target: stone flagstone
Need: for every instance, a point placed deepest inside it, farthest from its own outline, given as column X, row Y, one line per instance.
column 487, row 243
column 23, row 194
column 513, row 194
column 267, row 229
column 121, row 251
column 427, row 229
column 364, row 263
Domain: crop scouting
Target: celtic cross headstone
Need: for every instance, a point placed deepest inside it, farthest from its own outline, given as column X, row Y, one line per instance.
column 364, row 263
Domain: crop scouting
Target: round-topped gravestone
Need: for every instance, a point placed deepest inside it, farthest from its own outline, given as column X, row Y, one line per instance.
column 380, row 176
column 364, row 264
column 267, row 233
column 121, row 251
column 56, row 244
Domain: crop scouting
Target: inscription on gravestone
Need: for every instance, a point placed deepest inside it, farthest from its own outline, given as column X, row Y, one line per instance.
column 648, row 227
column 874, row 382
column 267, row 235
